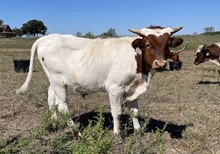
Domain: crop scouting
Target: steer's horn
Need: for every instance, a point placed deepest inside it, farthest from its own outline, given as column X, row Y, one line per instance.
column 176, row 30
column 178, row 51
column 136, row 32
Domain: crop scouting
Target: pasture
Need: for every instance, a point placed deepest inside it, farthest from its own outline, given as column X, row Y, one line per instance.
column 180, row 113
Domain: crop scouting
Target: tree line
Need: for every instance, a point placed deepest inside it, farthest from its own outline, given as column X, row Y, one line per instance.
column 210, row 31
column 110, row 33
column 35, row 27
column 32, row 27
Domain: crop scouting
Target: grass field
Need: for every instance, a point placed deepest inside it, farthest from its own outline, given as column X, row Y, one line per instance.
column 180, row 112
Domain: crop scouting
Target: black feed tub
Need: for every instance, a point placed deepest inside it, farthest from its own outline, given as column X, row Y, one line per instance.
column 21, row 66
column 175, row 65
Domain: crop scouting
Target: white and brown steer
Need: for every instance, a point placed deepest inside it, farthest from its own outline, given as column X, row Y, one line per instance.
column 122, row 67
column 210, row 53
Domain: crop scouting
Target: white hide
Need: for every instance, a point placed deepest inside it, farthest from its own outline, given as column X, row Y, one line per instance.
column 218, row 44
column 200, row 48
column 90, row 65
column 214, row 62
column 86, row 65
column 157, row 32
column 139, row 86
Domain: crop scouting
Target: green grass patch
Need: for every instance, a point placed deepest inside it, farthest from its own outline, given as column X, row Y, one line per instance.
column 16, row 43
column 26, row 43
column 196, row 40
column 50, row 137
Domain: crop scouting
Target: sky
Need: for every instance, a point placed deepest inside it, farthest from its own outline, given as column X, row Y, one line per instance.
column 97, row 16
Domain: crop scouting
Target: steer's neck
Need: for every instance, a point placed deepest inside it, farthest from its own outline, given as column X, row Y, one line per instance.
column 141, row 66
column 138, row 58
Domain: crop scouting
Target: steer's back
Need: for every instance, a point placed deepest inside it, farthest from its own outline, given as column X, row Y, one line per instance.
column 87, row 63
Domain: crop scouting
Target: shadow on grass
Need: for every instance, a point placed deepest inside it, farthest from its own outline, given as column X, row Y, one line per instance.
column 209, row 82
column 174, row 130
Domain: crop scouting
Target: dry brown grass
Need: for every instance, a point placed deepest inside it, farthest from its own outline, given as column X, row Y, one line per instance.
column 188, row 98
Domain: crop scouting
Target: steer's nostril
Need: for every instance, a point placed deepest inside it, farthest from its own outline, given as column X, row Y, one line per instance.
column 159, row 64
column 196, row 63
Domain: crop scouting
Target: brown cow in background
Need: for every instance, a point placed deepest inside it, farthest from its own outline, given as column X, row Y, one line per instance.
column 210, row 53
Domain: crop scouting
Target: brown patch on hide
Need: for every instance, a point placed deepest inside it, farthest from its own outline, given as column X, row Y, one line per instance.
column 174, row 56
column 214, row 51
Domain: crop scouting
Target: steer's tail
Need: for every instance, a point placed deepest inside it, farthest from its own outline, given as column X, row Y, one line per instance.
column 24, row 87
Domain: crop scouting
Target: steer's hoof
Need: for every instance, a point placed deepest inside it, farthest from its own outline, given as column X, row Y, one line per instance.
column 73, row 133
column 139, row 132
column 118, row 139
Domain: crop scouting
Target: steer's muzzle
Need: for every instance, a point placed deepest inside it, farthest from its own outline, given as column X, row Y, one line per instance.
column 196, row 63
column 159, row 64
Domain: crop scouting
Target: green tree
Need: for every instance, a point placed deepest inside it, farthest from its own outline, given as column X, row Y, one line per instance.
column 110, row 33
column 208, row 30
column 34, row 27
column 1, row 22
column 79, row 34
column 89, row 35
column 17, row 31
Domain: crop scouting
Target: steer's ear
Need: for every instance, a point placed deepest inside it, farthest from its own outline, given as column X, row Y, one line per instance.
column 174, row 42
column 138, row 44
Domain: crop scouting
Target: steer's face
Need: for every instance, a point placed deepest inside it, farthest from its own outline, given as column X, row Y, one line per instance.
column 200, row 55
column 154, row 46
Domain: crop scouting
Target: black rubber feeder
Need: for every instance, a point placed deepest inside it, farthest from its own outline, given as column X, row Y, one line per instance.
column 21, row 66
column 175, row 66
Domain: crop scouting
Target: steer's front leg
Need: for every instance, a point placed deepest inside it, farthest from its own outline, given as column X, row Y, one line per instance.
column 134, row 110
column 115, row 96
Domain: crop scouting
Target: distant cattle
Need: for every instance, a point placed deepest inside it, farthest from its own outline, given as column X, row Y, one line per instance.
column 122, row 67
column 174, row 55
column 210, row 53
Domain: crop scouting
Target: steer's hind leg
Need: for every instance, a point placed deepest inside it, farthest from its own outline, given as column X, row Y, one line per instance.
column 61, row 101
column 115, row 96
column 51, row 102
column 134, row 109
